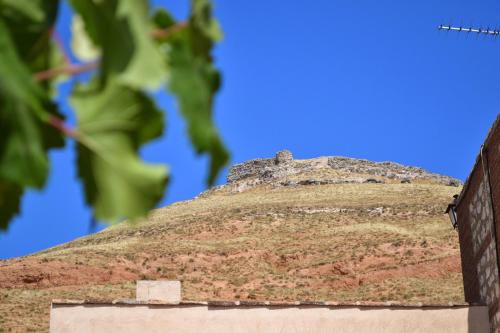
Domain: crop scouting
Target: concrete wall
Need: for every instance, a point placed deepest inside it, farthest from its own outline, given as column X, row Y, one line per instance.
column 478, row 225
column 315, row 319
column 161, row 290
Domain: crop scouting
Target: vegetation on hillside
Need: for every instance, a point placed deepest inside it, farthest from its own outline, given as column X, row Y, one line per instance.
column 352, row 242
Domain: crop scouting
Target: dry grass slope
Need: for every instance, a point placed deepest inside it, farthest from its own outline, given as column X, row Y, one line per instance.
column 321, row 242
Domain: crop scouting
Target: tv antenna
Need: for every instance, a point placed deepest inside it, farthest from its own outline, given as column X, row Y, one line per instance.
column 478, row 31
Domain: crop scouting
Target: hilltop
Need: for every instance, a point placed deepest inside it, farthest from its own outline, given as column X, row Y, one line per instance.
column 328, row 228
column 283, row 170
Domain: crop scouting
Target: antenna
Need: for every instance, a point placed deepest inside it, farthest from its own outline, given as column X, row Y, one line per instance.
column 479, row 31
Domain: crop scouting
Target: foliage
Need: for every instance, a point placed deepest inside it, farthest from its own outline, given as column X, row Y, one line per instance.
column 130, row 51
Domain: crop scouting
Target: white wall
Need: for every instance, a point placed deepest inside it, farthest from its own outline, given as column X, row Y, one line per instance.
column 199, row 318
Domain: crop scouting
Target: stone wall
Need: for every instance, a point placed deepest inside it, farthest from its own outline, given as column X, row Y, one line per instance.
column 483, row 240
column 478, row 224
column 492, row 159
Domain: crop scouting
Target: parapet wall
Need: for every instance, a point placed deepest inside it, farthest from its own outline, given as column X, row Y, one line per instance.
column 159, row 308
column 235, row 317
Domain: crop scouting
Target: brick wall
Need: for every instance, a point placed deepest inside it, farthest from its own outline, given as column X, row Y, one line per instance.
column 492, row 155
column 478, row 225
column 469, row 262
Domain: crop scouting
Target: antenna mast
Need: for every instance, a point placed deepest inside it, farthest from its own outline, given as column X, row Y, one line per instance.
column 487, row 31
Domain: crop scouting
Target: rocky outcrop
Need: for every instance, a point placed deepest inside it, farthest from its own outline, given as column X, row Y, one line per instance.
column 389, row 170
column 283, row 157
column 265, row 169
column 283, row 170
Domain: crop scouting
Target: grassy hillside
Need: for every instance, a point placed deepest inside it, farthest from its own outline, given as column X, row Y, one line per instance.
column 354, row 241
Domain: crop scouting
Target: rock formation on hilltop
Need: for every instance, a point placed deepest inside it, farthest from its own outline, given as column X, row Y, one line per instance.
column 283, row 170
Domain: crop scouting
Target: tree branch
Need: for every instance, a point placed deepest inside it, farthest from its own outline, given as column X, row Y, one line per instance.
column 70, row 69
column 165, row 33
column 61, row 126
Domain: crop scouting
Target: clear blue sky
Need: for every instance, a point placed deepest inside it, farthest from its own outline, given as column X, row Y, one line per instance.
column 368, row 79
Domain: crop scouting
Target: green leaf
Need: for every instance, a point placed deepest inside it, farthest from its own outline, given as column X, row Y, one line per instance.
column 10, row 198
column 115, row 115
column 25, row 107
column 194, row 80
column 162, row 19
column 29, row 9
column 113, row 122
column 207, row 28
column 121, row 29
column 82, row 46
column 23, row 154
column 30, row 24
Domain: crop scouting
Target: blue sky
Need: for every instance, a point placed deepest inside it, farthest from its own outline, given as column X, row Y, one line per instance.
column 367, row 79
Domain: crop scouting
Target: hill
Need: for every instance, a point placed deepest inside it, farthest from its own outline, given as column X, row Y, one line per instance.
column 329, row 228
